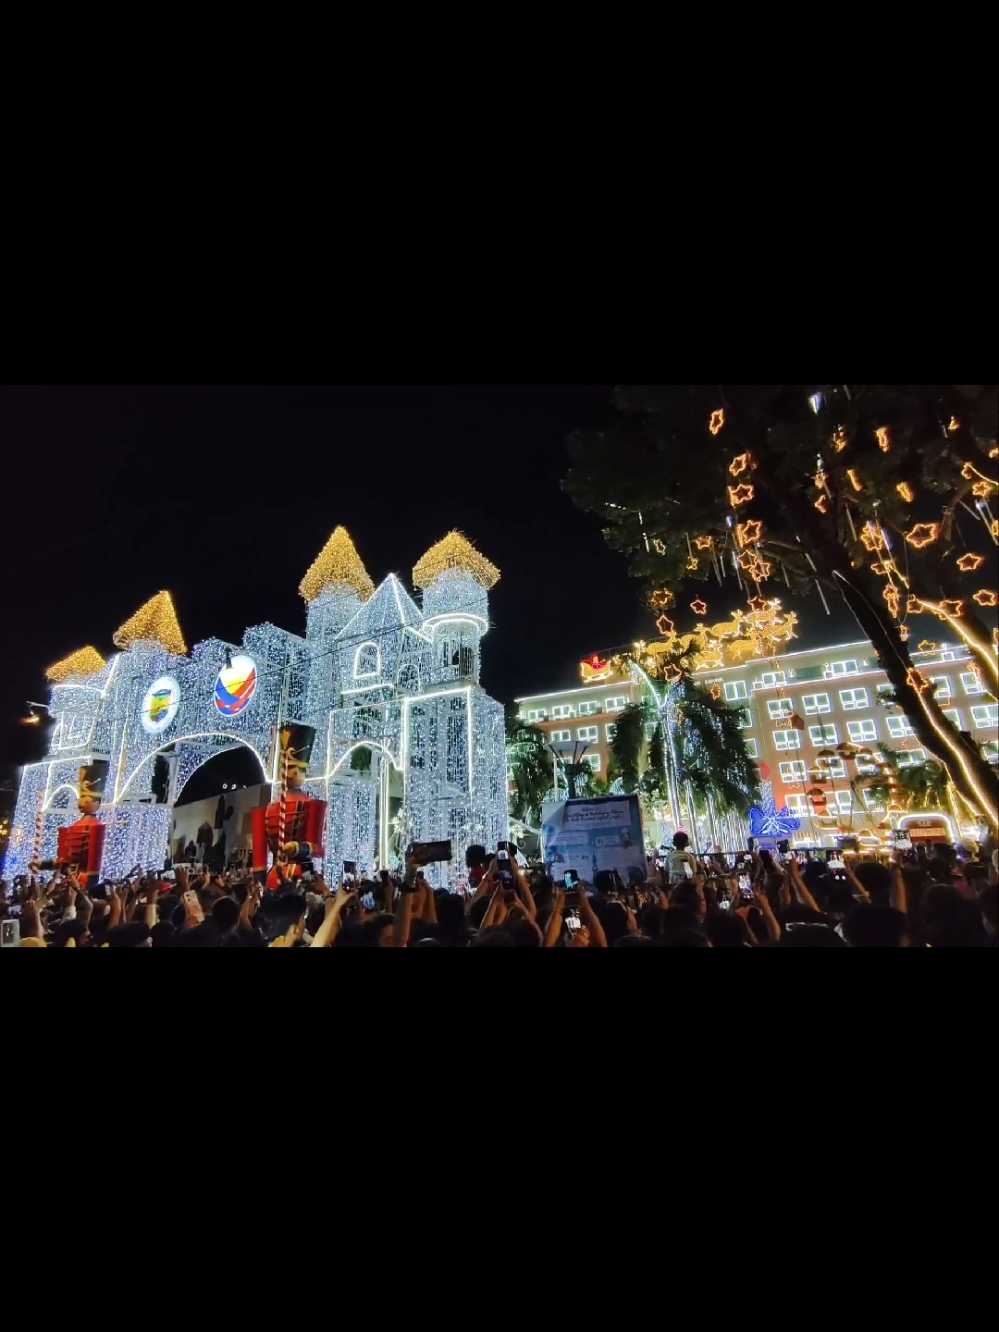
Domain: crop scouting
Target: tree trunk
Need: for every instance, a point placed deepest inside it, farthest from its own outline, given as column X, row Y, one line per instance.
column 967, row 768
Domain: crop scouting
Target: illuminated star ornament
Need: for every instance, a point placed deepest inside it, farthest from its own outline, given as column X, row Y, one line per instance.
column 883, row 567
column 704, row 542
column 717, row 421
column 883, row 438
column 699, row 607
column 665, row 626
column 741, row 464
column 839, row 439
column 872, row 537
column 969, row 563
column 982, row 489
column 660, row 546
column 903, row 632
column 906, row 491
column 986, row 597
column 740, row 495
column 716, row 691
column 662, row 598
column 917, row 680
column 693, row 564
column 747, row 533
column 892, row 596
column 822, row 504
column 755, row 566
column 923, row 534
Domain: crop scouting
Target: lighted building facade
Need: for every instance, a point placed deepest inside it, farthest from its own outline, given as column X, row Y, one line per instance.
column 842, row 695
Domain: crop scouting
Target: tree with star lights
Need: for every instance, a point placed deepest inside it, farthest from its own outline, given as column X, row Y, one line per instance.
column 883, row 495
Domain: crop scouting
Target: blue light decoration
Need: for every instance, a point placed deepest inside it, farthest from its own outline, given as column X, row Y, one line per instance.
column 767, row 823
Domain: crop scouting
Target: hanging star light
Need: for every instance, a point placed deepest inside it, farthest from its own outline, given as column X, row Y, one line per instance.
column 994, row 529
column 672, row 674
column 665, row 625
column 926, row 645
column 839, row 439
column 906, row 491
column 704, row 542
column 913, row 606
column 747, row 533
column 755, row 566
column 884, row 568
column 883, row 438
column 820, row 479
column 892, row 597
column 758, row 605
column 741, row 464
column 986, row 597
column 981, row 489
column 855, row 480
column 872, row 537
column 822, row 504
column 717, row 421
column 946, row 610
column 693, row 564
column 662, row 598
column 923, row 534
column 78, row 665
column 738, row 495
column 154, row 622
column 903, row 632
column 660, row 546
column 699, row 607
column 716, row 691
column 969, row 563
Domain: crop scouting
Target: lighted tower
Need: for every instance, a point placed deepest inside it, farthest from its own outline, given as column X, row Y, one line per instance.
column 455, row 579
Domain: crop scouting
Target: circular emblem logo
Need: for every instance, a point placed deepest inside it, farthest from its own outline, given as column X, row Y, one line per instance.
column 159, row 707
column 235, row 686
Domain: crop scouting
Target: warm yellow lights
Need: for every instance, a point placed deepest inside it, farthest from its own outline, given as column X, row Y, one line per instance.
column 822, row 504
column 755, row 567
column 953, row 424
column 969, row 563
column 717, row 421
column 839, row 439
column 155, row 622
column 855, row 480
column 903, row 632
column 455, row 553
column 337, row 566
column 892, row 597
column 741, row 464
column 747, row 533
column 917, row 680
column 87, row 661
column 884, row 568
column 982, row 489
column 704, row 542
column 660, row 546
column 662, row 598
column 872, row 537
column 699, row 607
column 986, row 597
column 906, row 491
column 665, row 626
column 716, row 691
column 884, row 438
column 923, row 534
column 740, row 495
column 693, row 564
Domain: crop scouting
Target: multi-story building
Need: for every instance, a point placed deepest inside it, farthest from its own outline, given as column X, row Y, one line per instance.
column 840, row 692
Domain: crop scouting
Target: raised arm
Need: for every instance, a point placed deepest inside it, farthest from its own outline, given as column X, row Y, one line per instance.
column 404, row 911
column 525, row 890
column 554, row 930
column 589, row 918
column 800, row 887
column 857, row 887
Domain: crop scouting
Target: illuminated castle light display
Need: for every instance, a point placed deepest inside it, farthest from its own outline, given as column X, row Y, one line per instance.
column 408, row 746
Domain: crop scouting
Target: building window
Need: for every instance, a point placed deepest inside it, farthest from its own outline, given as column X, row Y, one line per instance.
column 843, row 800
column 954, row 717
column 560, row 737
column 780, row 709
column 771, row 679
column 588, row 733
column 563, row 711
column 854, row 699
column 367, row 661
column 735, row 690
column 943, row 690
column 537, row 715
column 990, row 751
column 616, row 704
column 985, row 715
column 594, row 761
column 859, row 731
column 752, row 748
column 816, row 704
column 785, row 740
column 911, row 758
column 900, row 728
column 744, row 718
column 797, row 804
column 823, row 735
column 834, row 769
column 795, row 771
column 834, row 669
column 589, row 709
column 972, row 684
column 610, row 732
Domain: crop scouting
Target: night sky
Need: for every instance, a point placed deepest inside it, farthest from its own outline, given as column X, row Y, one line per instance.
column 225, row 495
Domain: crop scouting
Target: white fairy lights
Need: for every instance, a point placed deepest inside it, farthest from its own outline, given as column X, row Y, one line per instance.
column 374, row 671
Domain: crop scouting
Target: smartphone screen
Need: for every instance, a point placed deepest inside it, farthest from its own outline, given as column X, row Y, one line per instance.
column 368, row 901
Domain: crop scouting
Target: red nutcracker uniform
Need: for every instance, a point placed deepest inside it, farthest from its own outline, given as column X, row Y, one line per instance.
column 81, row 845
column 304, row 818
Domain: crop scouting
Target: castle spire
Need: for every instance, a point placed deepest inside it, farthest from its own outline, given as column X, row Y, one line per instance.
column 86, row 662
column 155, row 622
column 338, row 565
column 457, row 553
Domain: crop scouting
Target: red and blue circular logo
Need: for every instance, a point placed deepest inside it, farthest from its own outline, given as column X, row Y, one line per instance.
column 235, row 686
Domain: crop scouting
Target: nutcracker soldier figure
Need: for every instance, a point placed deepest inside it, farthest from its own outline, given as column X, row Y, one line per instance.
column 81, row 845
column 292, row 827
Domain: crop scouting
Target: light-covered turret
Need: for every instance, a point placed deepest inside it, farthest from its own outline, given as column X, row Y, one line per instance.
column 455, row 579
column 335, row 588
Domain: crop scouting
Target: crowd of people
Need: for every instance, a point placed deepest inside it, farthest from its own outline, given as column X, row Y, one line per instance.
column 928, row 898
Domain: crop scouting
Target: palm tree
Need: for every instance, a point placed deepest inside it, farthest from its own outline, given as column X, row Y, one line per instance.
column 922, row 786
column 530, row 765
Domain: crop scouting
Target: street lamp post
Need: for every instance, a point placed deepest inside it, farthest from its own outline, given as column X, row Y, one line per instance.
column 561, row 750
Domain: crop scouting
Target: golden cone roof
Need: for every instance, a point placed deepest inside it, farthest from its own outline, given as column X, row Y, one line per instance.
column 155, row 622
column 455, row 552
column 87, row 661
column 337, row 565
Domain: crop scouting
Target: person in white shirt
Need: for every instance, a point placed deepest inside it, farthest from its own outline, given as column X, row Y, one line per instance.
column 680, row 864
